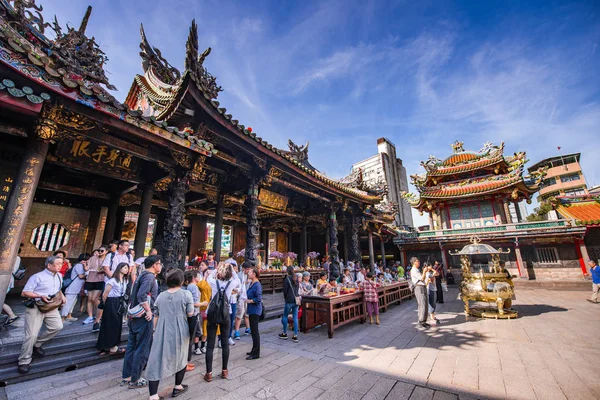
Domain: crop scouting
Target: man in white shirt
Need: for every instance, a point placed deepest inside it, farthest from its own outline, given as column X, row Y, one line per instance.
column 360, row 276
column 418, row 279
column 231, row 260
column 41, row 286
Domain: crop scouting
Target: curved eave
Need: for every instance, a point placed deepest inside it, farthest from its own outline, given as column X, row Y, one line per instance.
column 585, row 213
column 212, row 108
column 475, row 191
column 459, row 169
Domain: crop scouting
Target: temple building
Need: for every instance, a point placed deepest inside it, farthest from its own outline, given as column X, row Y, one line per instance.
column 564, row 177
column 470, row 193
column 168, row 168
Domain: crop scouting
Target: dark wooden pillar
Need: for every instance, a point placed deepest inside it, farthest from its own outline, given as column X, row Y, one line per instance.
column 289, row 246
column 143, row 219
column 265, row 241
column 19, row 205
column 346, row 241
column 382, row 242
column 218, row 228
column 355, row 253
column 371, row 252
column 172, row 251
column 334, row 268
column 198, row 239
column 252, row 243
column 111, row 221
column 303, row 244
column 120, row 223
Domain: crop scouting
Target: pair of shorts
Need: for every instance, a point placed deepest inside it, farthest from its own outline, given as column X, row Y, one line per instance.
column 240, row 311
column 89, row 286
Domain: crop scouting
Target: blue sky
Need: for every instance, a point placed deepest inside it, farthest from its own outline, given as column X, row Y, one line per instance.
column 341, row 74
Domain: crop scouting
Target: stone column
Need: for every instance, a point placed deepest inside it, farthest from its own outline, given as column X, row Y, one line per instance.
column 19, row 205
column 371, row 252
column 111, row 221
column 252, row 243
column 522, row 267
column 172, row 235
column 382, row 242
column 218, row 236
column 303, row 244
column 403, row 257
column 518, row 212
column 143, row 219
column 444, row 256
column 507, row 213
column 431, row 226
column 334, row 269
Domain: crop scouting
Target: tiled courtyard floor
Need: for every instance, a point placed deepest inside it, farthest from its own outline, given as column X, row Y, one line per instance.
column 547, row 353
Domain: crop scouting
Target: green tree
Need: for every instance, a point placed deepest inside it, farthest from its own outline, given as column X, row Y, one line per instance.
column 540, row 213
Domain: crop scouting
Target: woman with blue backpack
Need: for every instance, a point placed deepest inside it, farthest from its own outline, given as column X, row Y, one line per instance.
column 218, row 316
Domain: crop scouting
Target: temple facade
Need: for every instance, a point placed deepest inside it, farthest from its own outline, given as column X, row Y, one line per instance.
column 478, row 193
column 168, row 168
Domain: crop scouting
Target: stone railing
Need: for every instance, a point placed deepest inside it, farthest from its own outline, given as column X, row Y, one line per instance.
column 504, row 228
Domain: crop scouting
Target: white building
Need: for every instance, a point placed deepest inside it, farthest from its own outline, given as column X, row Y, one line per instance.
column 385, row 166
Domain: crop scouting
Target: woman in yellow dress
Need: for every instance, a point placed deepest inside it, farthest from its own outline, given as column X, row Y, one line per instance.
column 205, row 296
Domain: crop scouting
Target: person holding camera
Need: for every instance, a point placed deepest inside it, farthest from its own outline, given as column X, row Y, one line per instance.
column 44, row 291
column 418, row 280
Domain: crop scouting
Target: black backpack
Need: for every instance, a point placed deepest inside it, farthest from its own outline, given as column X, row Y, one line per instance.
column 67, row 280
column 218, row 309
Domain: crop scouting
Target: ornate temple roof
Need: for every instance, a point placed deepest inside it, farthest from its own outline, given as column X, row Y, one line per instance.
column 490, row 172
column 71, row 66
column 159, row 94
column 584, row 209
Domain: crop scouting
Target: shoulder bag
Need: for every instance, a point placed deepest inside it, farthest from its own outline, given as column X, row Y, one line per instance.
column 297, row 298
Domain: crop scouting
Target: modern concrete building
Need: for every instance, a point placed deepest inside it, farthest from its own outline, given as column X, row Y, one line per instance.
column 564, row 177
column 386, row 167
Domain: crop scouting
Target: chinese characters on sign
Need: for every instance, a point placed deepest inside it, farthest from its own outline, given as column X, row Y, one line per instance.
column 272, row 200
column 100, row 154
column 87, row 154
column 6, row 183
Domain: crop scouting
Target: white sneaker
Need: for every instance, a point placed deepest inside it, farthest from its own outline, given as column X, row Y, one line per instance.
column 198, row 351
column 203, row 350
column 88, row 320
column 231, row 342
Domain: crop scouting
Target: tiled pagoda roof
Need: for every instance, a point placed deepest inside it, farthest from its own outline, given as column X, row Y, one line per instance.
column 471, row 187
column 584, row 209
column 443, row 179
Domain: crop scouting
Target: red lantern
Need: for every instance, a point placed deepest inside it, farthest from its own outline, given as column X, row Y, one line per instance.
column 249, row 129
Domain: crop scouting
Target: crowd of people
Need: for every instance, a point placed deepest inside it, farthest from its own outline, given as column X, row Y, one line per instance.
column 196, row 311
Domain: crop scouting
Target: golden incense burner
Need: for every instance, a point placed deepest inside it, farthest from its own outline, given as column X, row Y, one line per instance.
column 495, row 286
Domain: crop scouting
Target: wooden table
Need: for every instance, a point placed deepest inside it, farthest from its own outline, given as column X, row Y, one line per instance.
column 346, row 308
column 273, row 281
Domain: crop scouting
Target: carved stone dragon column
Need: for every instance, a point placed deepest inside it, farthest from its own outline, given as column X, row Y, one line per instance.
column 172, row 236
column 354, row 244
column 334, row 269
column 252, row 234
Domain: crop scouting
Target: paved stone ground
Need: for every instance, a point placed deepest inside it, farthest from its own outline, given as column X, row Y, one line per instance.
column 547, row 353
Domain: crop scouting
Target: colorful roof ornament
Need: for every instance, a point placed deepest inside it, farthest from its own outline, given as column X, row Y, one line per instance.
column 468, row 174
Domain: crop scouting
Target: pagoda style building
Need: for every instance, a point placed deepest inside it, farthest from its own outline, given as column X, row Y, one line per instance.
column 169, row 168
column 479, row 193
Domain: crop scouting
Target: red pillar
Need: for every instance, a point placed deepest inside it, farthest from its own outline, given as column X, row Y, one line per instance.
column 579, row 246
